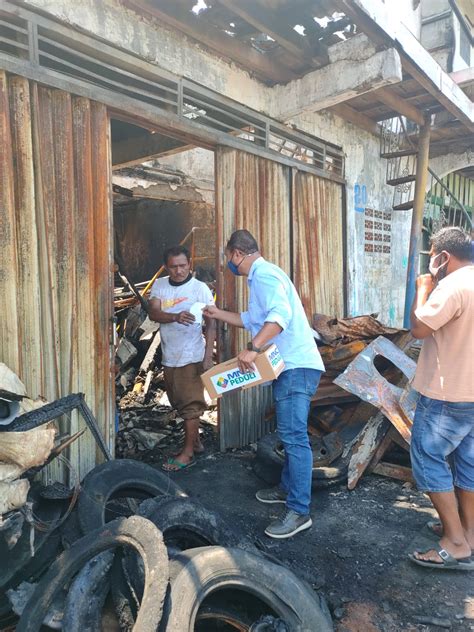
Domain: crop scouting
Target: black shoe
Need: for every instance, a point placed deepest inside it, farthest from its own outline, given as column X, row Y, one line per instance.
column 271, row 496
column 289, row 525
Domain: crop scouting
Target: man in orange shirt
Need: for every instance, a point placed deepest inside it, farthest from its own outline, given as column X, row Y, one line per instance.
column 443, row 316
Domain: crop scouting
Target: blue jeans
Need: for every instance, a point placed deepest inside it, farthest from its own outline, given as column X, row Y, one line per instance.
column 292, row 392
column 441, row 430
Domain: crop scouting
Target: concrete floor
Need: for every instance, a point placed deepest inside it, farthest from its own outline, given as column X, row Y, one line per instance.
column 356, row 551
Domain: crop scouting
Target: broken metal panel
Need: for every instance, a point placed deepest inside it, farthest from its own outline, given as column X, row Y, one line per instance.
column 318, row 244
column 58, row 212
column 251, row 193
column 362, row 378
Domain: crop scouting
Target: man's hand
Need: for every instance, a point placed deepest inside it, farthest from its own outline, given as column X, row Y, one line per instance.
column 211, row 311
column 185, row 318
column 246, row 361
column 425, row 283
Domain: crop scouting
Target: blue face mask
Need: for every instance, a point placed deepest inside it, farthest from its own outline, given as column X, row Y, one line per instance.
column 233, row 268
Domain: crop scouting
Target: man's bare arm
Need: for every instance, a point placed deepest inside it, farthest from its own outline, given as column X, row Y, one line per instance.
column 156, row 314
column 424, row 287
column 231, row 318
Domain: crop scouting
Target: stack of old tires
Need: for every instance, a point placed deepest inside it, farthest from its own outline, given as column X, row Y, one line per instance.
column 137, row 542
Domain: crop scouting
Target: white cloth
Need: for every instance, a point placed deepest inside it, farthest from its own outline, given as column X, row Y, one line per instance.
column 181, row 344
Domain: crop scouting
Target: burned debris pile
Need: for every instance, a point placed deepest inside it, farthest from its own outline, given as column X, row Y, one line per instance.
column 354, row 422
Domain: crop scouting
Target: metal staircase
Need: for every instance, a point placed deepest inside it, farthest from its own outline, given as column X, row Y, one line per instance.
column 398, row 145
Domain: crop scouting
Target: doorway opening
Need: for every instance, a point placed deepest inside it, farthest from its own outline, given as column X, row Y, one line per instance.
column 163, row 196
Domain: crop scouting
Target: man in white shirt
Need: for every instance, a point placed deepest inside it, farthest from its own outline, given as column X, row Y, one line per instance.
column 186, row 352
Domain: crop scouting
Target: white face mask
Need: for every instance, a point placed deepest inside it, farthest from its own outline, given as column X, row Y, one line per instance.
column 434, row 270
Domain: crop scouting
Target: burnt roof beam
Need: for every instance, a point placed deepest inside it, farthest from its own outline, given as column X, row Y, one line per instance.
column 179, row 18
column 280, row 30
column 137, row 149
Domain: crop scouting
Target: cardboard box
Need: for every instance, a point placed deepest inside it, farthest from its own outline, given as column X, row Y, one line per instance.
column 226, row 377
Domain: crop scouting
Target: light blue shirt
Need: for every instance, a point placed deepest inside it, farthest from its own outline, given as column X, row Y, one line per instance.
column 274, row 299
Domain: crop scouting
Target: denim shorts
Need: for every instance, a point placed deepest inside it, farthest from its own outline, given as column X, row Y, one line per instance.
column 442, row 445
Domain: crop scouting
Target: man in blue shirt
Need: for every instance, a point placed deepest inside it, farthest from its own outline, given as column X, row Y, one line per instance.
column 275, row 315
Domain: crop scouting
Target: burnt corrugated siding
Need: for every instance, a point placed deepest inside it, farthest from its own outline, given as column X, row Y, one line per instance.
column 55, row 261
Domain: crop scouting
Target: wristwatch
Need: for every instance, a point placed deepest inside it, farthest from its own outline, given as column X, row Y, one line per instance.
column 252, row 347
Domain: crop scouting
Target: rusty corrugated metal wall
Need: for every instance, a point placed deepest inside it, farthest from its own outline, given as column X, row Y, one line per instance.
column 300, row 219
column 318, row 244
column 251, row 193
column 55, row 261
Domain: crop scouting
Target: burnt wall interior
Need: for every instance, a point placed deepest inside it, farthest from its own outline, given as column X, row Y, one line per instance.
column 145, row 228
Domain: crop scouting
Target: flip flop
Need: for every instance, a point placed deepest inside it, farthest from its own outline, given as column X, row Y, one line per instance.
column 448, row 562
column 176, row 466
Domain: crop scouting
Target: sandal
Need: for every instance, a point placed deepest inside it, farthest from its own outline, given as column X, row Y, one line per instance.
column 172, row 465
column 448, row 562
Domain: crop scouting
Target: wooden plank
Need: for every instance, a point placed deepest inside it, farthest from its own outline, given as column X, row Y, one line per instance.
column 282, row 32
column 401, row 106
column 84, row 261
column 27, row 238
column 357, row 118
column 102, row 305
column 199, row 29
column 399, row 472
column 368, row 441
column 9, row 331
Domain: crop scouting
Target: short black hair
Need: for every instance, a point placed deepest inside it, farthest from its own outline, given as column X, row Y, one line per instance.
column 454, row 240
column 244, row 241
column 175, row 251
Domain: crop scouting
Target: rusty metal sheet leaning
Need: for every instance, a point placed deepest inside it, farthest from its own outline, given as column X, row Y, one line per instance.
column 362, row 379
column 344, row 330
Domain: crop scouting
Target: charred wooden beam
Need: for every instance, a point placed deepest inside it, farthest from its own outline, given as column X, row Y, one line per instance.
column 281, row 31
column 192, row 25
column 138, row 149
column 357, row 118
column 394, row 102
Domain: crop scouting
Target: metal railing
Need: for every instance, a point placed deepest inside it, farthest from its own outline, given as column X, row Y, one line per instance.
column 442, row 207
column 35, row 39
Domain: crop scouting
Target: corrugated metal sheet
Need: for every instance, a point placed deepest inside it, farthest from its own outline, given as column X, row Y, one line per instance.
column 318, row 244
column 55, row 264
column 251, row 193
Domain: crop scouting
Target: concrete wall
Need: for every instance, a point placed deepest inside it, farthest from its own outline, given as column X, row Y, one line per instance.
column 376, row 280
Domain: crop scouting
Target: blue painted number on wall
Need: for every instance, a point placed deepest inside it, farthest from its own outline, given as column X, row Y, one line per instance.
column 360, row 198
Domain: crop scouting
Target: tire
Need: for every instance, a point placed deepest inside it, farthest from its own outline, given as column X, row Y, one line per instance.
column 268, row 465
column 15, row 562
column 218, row 569
column 135, row 532
column 185, row 524
column 125, row 602
column 120, row 478
column 87, row 594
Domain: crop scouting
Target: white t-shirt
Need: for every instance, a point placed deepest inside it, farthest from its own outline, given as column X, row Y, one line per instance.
column 181, row 344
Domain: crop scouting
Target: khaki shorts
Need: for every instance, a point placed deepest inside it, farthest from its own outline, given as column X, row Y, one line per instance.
column 185, row 389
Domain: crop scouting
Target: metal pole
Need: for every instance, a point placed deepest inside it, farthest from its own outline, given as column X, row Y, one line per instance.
column 417, row 216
